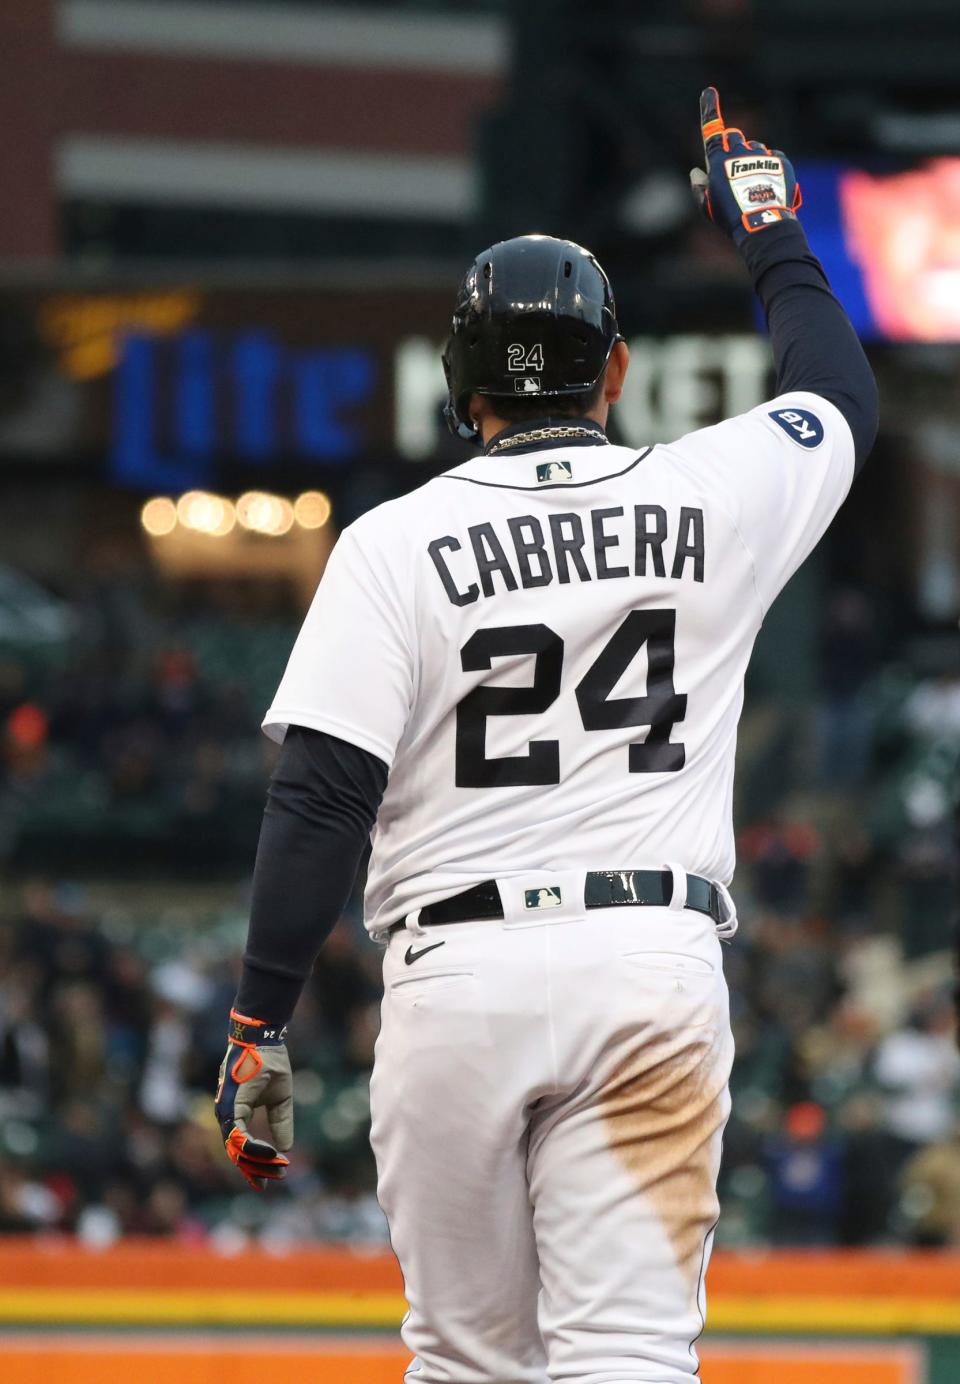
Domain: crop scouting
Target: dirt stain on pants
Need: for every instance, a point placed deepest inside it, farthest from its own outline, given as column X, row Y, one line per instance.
column 665, row 1108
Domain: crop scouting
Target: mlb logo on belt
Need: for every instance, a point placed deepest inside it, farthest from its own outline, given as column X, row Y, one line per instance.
column 541, row 898
column 554, row 471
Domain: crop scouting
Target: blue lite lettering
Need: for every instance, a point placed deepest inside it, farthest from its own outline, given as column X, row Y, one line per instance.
column 181, row 403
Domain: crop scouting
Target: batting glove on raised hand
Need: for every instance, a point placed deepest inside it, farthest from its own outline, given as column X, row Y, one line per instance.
column 256, row 1071
column 746, row 187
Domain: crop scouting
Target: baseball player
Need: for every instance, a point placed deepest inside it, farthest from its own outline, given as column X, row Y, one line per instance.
column 525, row 678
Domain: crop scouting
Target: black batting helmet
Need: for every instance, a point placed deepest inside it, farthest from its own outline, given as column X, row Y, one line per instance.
column 533, row 315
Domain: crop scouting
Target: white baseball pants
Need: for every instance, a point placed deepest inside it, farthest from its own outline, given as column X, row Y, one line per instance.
column 548, row 1100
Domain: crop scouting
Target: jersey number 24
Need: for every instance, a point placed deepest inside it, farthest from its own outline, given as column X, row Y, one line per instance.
column 659, row 708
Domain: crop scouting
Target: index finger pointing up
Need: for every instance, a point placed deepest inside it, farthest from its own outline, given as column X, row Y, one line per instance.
column 711, row 121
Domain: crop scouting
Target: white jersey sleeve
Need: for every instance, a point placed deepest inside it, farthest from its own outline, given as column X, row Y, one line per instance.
column 781, row 472
column 351, row 672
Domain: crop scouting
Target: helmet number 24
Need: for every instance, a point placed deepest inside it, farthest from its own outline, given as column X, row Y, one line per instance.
column 659, row 708
column 522, row 359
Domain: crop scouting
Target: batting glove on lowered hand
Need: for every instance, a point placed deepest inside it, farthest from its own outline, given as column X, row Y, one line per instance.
column 746, row 187
column 256, row 1071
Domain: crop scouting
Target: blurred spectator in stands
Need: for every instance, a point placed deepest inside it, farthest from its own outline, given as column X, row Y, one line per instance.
column 115, row 622
column 918, row 1071
column 196, row 1159
column 25, row 1203
column 13, row 682
column 780, row 851
column 25, row 768
column 163, row 1095
column 177, row 693
column 851, row 874
column 127, row 1010
column 25, row 742
column 933, row 708
column 871, row 1188
column 132, row 756
column 926, row 861
column 77, row 1040
column 344, row 984
column 806, row 1167
column 86, row 1151
column 930, row 1204
column 55, row 932
column 793, row 982
column 835, row 1054
column 24, row 1040
column 848, row 659
column 166, row 1213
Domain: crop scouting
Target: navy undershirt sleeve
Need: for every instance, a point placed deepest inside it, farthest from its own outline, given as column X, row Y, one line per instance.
column 815, row 347
column 322, row 803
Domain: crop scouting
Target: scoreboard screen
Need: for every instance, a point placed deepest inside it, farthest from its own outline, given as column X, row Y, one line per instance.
column 890, row 243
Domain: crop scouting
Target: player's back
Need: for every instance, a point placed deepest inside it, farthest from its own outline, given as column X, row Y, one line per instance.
column 552, row 648
column 583, row 621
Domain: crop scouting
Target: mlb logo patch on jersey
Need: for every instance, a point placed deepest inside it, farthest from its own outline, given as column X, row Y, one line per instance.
column 530, row 384
column 800, row 424
column 554, row 471
column 541, row 898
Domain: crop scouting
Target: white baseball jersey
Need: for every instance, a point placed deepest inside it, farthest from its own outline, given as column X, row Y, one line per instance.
column 548, row 648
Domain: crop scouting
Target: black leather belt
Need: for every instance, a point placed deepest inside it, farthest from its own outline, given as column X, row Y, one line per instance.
column 602, row 889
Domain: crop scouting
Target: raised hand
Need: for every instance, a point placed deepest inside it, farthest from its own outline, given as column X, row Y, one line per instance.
column 746, row 186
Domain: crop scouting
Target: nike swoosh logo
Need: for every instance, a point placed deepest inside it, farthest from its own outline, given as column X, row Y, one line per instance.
column 410, row 956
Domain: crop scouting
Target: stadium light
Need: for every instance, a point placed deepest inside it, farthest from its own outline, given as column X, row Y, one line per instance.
column 205, row 513
column 215, row 516
column 266, row 514
column 312, row 509
column 159, row 517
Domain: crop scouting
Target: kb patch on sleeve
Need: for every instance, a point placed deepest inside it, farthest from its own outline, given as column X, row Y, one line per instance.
column 800, row 424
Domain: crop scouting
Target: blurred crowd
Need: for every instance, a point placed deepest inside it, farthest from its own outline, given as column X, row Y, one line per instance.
column 129, row 724
column 112, row 1009
column 111, row 1035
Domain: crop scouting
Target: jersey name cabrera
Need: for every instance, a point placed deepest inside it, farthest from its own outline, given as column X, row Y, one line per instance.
column 548, row 648
column 526, row 554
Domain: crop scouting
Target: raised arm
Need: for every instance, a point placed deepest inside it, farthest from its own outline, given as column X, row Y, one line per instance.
column 751, row 192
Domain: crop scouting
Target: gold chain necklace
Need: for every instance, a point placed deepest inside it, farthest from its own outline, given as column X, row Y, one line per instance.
column 523, row 439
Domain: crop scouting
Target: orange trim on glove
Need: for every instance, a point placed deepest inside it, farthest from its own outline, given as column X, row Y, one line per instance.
column 243, row 1019
column 254, row 1168
column 250, row 1051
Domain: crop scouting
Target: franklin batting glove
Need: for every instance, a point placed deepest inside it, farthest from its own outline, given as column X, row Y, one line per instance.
column 747, row 187
column 256, row 1071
